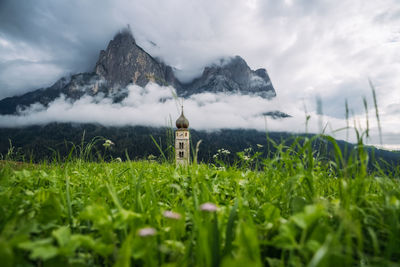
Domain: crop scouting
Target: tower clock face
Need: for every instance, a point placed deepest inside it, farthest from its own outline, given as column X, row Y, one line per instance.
column 180, row 134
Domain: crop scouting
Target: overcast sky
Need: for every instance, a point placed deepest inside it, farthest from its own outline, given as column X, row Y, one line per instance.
column 310, row 48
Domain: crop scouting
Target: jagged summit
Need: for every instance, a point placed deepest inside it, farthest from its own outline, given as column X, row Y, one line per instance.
column 232, row 75
column 182, row 122
column 124, row 62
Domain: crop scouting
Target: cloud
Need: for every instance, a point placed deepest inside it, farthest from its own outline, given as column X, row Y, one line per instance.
column 155, row 106
column 41, row 74
column 310, row 48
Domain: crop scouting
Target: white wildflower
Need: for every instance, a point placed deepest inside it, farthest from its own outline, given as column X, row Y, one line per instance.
column 147, row 231
column 108, row 143
column 172, row 215
column 209, row 207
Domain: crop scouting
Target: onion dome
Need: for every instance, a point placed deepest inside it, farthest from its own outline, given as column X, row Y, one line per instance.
column 182, row 122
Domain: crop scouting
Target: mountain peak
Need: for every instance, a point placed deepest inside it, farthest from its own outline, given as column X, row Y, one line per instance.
column 232, row 75
column 124, row 36
column 124, row 62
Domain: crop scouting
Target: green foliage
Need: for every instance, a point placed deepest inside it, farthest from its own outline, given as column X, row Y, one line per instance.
column 297, row 207
column 86, row 141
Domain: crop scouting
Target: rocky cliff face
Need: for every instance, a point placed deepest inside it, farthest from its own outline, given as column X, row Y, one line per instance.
column 72, row 88
column 124, row 63
column 231, row 76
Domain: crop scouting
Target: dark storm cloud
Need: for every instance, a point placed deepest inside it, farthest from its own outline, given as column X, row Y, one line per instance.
column 309, row 47
column 61, row 37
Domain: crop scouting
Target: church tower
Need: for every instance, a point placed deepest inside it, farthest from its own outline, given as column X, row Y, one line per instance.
column 182, row 145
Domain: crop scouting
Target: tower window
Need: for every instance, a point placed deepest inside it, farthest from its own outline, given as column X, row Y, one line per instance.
column 180, row 145
column 181, row 154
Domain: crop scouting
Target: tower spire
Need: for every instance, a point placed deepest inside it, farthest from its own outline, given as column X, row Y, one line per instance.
column 182, row 122
column 182, row 105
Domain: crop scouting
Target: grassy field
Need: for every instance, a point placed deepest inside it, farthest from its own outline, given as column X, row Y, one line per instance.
column 293, row 209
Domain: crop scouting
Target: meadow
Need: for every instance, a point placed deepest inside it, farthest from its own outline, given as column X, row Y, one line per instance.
column 293, row 208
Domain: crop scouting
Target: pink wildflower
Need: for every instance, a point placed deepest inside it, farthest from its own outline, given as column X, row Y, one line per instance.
column 172, row 215
column 209, row 207
column 147, row 231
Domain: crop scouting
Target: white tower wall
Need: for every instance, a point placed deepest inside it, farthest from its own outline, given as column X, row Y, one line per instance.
column 182, row 147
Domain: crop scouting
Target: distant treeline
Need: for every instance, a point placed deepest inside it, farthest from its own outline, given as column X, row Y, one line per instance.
column 57, row 140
